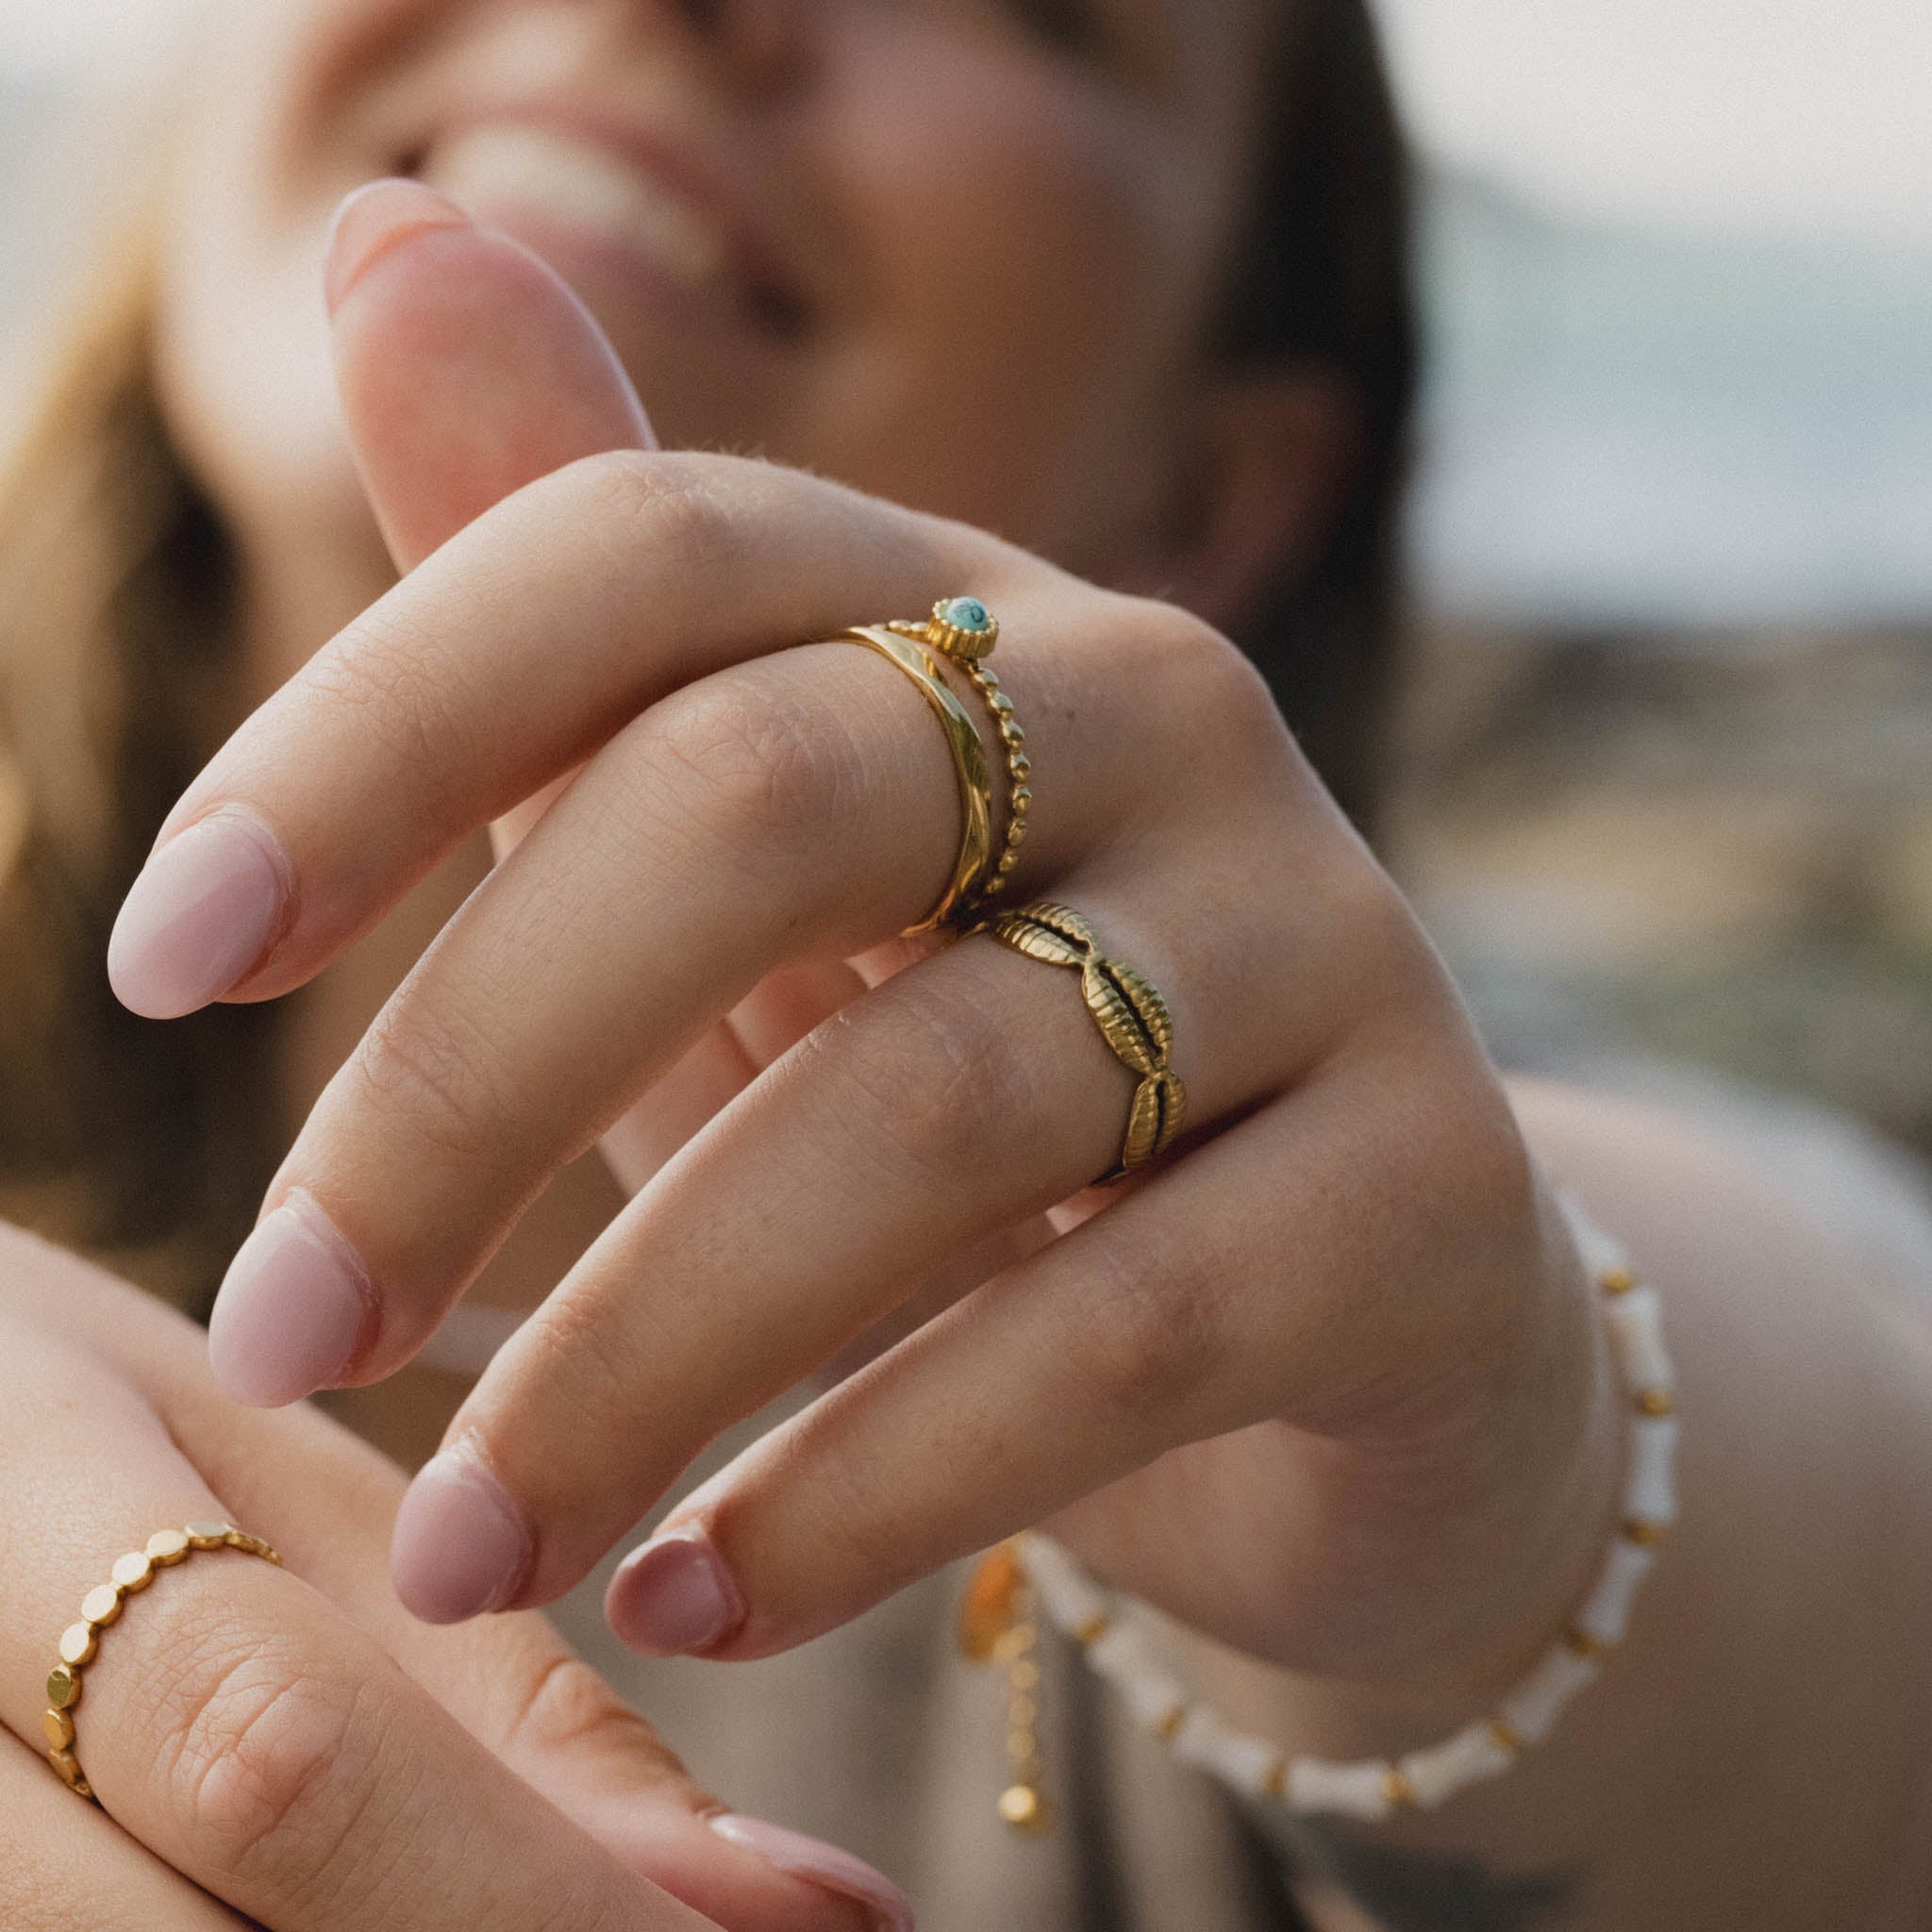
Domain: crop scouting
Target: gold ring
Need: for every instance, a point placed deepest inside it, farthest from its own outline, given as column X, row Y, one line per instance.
column 101, row 1607
column 969, row 763
column 1133, row 1020
column 966, row 631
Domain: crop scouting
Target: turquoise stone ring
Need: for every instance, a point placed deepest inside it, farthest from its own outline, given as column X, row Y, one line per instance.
column 962, row 627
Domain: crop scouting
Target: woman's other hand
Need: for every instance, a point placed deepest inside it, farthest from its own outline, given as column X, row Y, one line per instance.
column 288, row 1741
column 1326, row 1383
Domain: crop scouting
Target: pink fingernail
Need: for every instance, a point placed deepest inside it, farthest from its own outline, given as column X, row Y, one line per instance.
column 822, row 1864
column 372, row 221
column 461, row 1544
column 293, row 1309
column 201, row 912
column 674, row 1595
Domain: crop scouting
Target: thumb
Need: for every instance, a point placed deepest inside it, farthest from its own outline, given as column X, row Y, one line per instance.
column 466, row 368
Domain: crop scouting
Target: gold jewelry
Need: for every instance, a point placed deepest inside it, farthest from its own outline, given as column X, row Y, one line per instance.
column 966, row 631
column 1132, row 1017
column 100, row 1606
column 968, row 762
column 997, row 1624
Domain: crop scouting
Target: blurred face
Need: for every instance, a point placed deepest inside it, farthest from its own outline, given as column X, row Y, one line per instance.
column 963, row 253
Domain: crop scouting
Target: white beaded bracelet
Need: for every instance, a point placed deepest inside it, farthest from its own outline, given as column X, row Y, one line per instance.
column 1375, row 1788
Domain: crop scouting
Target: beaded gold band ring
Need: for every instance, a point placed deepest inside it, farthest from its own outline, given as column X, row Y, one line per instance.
column 966, row 631
column 100, row 1606
column 969, row 763
column 1133, row 1020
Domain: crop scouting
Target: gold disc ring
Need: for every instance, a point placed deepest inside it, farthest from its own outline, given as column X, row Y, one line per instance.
column 102, row 1606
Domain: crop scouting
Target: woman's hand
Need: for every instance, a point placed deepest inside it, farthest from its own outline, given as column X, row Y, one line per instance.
column 288, row 1742
column 1325, row 1384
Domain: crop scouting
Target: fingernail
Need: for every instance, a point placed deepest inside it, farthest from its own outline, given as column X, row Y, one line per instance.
column 674, row 1595
column 822, row 1864
column 372, row 221
column 201, row 912
column 292, row 1310
column 460, row 1545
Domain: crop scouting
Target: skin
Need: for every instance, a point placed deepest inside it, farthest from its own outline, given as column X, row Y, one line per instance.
column 1371, row 1484
column 279, row 1742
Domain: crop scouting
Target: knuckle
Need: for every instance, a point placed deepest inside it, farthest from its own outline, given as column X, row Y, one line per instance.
column 939, row 1083
column 422, row 1064
column 1156, row 1333
column 587, row 1361
column 267, row 1765
column 568, row 1706
column 398, row 687
column 1183, row 655
column 1396, row 985
column 751, row 769
column 666, row 504
column 1201, row 687
column 585, row 1376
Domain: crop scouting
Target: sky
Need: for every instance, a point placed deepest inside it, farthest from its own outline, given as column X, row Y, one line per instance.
column 1792, row 116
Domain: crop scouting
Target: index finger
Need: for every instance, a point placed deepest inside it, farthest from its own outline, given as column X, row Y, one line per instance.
column 244, row 1732
column 508, row 656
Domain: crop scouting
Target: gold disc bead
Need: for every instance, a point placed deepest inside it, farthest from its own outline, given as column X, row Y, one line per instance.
column 78, row 1644
column 63, row 1686
column 58, row 1728
column 134, row 1571
column 207, row 1535
column 101, row 1604
column 167, row 1547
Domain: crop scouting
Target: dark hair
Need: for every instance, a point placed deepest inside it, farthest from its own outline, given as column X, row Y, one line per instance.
column 1325, row 275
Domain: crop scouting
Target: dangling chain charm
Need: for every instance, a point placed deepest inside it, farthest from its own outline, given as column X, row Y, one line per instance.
column 998, row 1624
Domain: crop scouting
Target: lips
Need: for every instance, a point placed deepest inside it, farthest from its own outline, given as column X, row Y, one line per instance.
column 613, row 195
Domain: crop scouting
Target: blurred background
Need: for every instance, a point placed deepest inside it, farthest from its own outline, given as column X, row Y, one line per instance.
column 1669, row 802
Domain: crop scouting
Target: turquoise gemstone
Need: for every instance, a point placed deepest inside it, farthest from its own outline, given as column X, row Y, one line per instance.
column 966, row 613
